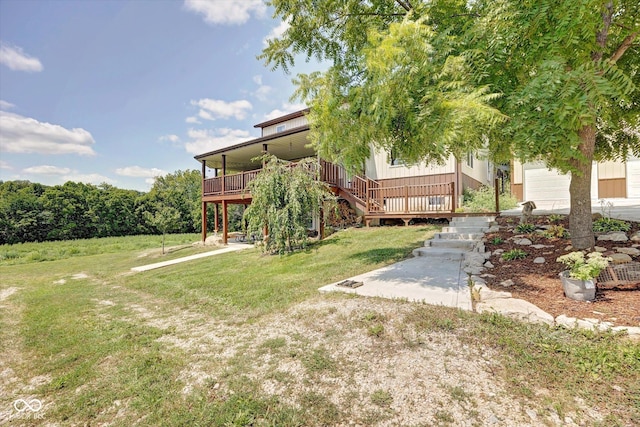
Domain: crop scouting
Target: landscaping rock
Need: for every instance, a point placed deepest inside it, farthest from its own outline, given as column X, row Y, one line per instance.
column 566, row 321
column 539, row 260
column 614, row 236
column 599, row 249
column 620, row 258
column 636, row 237
column 516, row 308
column 507, row 283
column 498, row 252
column 488, row 264
column 523, row 242
column 568, row 248
column 628, row 251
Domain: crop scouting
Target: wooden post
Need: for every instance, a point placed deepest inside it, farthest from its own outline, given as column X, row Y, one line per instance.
column 366, row 196
column 321, row 225
column 225, row 223
column 216, row 219
column 406, row 199
column 204, row 204
column 497, row 196
column 224, row 172
column 204, row 221
column 453, row 197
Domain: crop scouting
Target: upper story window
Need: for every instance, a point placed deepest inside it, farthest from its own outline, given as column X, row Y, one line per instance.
column 280, row 128
column 469, row 160
column 394, row 160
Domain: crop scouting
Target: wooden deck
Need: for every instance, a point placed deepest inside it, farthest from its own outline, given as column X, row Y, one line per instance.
column 369, row 196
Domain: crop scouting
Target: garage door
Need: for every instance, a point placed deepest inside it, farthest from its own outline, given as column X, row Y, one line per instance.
column 544, row 184
column 633, row 178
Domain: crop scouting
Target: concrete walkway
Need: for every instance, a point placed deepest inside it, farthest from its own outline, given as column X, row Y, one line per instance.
column 440, row 273
column 232, row 247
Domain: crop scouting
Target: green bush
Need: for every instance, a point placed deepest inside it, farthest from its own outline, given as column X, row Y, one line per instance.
column 604, row 224
column 556, row 231
column 514, row 254
column 525, row 228
column 483, row 200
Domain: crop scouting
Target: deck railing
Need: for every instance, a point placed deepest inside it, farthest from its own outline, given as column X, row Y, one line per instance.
column 372, row 195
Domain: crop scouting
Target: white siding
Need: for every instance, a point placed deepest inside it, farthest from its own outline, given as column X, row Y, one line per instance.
column 611, row 170
column 542, row 184
column 378, row 167
column 479, row 171
column 516, row 172
column 288, row 124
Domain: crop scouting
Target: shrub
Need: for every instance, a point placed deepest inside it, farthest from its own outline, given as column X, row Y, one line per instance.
column 483, row 200
column 514, row 254
column 553, row 218
column 584, row 269
column 496, row 240
column 525, row 228
column 556, row 231
column 605, row 224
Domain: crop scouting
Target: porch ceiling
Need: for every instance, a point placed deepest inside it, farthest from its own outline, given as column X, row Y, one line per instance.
column 288, row 145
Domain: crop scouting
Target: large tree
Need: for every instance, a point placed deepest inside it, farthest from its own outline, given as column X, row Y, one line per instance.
column 546, row 80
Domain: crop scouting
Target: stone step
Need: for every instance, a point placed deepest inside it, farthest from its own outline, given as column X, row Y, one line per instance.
column 467, row 245
column 464, row 230
column 440, row 253
column 458, row 236
column 473, row 219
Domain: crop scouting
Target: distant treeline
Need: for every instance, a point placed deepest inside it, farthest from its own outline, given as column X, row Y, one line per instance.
column 31, row 212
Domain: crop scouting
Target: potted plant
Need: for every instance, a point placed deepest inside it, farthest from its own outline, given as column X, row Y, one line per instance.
column 579, row 282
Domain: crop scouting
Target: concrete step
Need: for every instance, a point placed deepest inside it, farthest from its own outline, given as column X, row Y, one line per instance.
column 465, row 230
column 440, row 253
column 473, row 219
column 467, row 245
column 458, row 236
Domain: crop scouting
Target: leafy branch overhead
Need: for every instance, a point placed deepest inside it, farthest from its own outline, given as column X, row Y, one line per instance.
column 547, row 81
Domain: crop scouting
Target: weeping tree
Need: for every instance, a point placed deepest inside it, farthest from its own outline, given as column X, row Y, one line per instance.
column 285, row 198
column 549, row 80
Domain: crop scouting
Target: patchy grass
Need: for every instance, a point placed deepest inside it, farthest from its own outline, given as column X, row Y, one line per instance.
column 245, row 339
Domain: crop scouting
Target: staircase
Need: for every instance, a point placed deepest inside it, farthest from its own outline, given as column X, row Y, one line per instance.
column 462, row 239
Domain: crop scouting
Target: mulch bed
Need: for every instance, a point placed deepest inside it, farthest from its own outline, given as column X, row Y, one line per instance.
column 540, row 284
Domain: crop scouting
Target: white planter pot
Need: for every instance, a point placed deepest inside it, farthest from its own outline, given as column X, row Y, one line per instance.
column 580, row 290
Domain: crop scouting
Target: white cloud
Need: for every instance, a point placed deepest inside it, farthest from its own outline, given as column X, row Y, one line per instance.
column 211, row 109
column 287, row 108
column 226, row 11
column 26, row 135
column 171, row 138
column 276, row 32
column 5, row 165
column 4, row 105
column 263, row 91
column 209, row 140
column 47, row 170
column 140, row 172
column 14, row 58
column 193, row 120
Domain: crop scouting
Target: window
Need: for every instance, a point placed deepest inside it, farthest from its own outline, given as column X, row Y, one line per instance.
column 280, row 128
column 470, row 160
column 394, row 160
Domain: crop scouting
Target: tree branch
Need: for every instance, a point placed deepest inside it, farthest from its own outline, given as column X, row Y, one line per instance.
column 405, row 5
column 626, row 44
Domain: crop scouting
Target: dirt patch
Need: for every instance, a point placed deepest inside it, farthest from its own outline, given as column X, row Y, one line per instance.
column 540, row 284
column 6, row 293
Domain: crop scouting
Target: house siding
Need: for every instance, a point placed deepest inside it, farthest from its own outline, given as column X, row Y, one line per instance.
column 288, row 124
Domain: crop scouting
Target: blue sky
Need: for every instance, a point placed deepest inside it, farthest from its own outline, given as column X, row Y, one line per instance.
column 121, row 91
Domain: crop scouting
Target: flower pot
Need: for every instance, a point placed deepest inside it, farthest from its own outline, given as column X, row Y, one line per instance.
column 580, row 290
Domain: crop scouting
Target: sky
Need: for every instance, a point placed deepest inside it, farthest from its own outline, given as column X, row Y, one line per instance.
column 123, row 91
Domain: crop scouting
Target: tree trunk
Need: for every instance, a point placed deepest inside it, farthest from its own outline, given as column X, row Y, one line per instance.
column 580, row 219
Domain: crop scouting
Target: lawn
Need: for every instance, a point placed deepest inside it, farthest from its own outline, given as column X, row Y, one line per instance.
column 246, row 339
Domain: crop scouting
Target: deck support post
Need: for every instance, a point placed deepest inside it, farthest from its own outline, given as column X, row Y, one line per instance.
column 225, row 223
column 497, row 189
column 453, row 197
column 321, row 225
column 216, row 217
column 204, row 221
column 406, row 221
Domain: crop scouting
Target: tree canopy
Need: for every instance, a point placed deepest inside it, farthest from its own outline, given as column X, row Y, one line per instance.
column 545, row 80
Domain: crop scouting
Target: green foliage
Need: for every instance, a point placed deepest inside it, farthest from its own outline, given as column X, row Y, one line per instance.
column 604, row 224
column 553, row 218
column 165, row 219
column 285, row 197
column 496, row 240
column 584, row 269
column 525, row 228
column 484, row 200
column 556, row 231
column 514, row 254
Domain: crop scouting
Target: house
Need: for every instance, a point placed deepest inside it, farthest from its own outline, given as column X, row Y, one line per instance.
column 536, row 182
column 388, row 189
